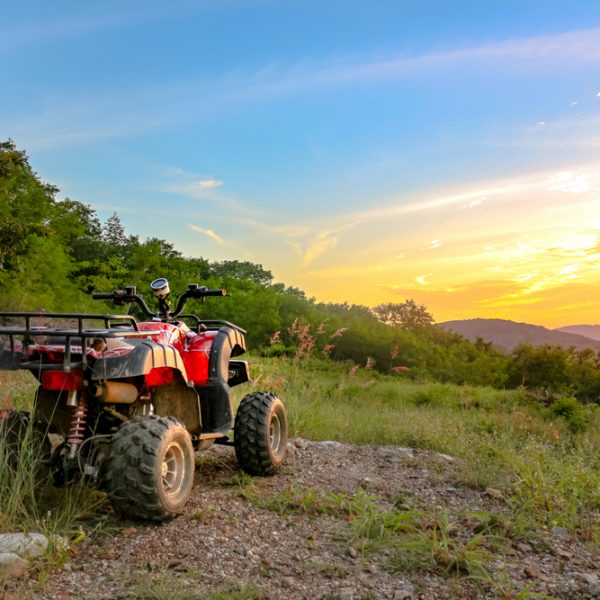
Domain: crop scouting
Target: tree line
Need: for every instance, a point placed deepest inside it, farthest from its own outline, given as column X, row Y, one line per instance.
column 54, row 253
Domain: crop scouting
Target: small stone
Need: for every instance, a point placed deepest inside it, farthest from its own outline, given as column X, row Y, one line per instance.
column 288, row 582
column 372, row 568
column 532, row 572
column 352, row 552
column 404, row 452
column 523, row 547
column 591, row 583
column 25, row 545
column 346, row 594
column 12, row 566
column 446, row 457
column 403, row 594
column 300, row 443
column 128, row 531
column 328, row 445
column 494, row 493
column 395, row 452
column 402, row 506
column 560, row 532
column 365, row 483
column 564, row 553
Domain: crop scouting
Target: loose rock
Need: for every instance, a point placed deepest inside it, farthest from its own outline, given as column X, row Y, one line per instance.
column 532, row 572
column 560, row 532
column 12, row 566
column 25, row 545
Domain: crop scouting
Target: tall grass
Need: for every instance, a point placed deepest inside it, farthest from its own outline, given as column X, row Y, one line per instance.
column 28, row 499
column 545, row 459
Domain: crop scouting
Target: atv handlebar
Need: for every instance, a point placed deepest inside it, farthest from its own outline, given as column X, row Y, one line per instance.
column 129, row 295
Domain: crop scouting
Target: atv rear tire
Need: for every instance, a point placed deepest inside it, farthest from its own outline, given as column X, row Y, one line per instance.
column 150, row 468
column 24, row 443
column 260, row 433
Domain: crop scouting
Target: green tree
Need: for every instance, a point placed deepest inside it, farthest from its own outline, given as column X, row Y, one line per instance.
column 541, row 367
column 26, row 205
column 241, row 269
column 408, row 315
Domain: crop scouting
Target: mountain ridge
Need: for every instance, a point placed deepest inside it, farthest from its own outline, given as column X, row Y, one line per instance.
column 506, row 334
column 589, row 331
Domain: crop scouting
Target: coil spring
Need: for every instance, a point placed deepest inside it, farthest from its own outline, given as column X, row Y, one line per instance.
column 78, row 423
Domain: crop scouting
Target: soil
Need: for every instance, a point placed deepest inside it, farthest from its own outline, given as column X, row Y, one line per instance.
column 226, row 540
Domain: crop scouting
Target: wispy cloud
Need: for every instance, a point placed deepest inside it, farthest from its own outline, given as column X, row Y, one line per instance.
column 69, row 121
column 208, row 184
column 208, row 232
column 323, row 242
column 573, row 182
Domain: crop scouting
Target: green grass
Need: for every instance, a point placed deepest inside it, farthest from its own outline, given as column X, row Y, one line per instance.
column 546, row 459
column 28, row 500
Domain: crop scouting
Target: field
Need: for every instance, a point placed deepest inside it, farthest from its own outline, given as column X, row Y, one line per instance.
column 538, row 457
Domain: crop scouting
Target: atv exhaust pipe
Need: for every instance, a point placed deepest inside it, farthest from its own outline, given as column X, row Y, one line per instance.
column 115, row 392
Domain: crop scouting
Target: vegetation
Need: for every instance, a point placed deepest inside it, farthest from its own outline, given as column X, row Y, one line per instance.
column 54, row 253
column 545, row 460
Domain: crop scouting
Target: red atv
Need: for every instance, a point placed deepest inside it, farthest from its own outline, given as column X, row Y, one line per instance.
column 131, row 401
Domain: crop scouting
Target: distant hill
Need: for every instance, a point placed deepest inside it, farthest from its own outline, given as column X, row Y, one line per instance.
column 590, row 331
column 506, row 335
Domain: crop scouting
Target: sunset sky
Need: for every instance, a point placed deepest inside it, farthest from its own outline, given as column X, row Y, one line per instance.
column 368, row 151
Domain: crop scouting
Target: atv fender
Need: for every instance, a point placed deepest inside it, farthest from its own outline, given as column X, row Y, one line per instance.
column 216, row 402
column 144, row 357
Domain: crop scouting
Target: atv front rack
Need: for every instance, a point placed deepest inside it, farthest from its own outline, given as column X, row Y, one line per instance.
column 16, row 341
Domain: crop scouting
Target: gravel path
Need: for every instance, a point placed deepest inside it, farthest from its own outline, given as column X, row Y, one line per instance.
column 238, row 536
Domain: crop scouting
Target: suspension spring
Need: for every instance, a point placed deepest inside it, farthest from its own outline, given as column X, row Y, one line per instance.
column 78, row 426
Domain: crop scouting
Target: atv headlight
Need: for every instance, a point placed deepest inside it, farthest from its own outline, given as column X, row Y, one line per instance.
column 160, row 288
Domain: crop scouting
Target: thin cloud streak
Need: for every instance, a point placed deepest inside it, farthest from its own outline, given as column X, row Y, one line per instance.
column 569, row 49
column 208, row 232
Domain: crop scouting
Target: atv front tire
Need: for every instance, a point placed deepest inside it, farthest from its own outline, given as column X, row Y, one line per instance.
column 260, row 433
column 150, row 468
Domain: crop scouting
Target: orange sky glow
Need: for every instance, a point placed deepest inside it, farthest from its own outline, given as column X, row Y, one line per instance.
column 527, row 249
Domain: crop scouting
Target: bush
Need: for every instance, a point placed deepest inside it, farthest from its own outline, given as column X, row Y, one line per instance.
column 571, row 411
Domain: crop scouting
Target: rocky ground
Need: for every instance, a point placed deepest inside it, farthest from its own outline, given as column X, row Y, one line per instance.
column 279, row 538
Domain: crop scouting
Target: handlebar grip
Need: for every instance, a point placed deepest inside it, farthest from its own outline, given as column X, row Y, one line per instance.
column 203, row 292
column 102, row 296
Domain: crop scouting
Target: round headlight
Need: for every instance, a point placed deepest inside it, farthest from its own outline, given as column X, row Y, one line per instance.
column 160, row 288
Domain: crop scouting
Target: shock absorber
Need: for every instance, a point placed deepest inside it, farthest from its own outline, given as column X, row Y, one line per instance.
column 78, row 426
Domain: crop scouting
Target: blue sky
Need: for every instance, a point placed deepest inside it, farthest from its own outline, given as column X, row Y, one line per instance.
column 363, row 151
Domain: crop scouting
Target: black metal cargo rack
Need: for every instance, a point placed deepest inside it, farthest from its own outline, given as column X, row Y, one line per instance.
column 13, row 358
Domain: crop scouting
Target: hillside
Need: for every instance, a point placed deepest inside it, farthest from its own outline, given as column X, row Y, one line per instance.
column 589, row 331
column 506, row 335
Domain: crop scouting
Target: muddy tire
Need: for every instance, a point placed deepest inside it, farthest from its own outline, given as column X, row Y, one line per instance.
column 24, row 443
column 150, row 468
column 260, row 433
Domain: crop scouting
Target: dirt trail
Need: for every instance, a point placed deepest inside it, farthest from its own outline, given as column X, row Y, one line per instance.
column 241, row 536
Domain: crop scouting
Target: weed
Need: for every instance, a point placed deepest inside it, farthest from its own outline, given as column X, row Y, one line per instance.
column 164, row 585
column 204, row 513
